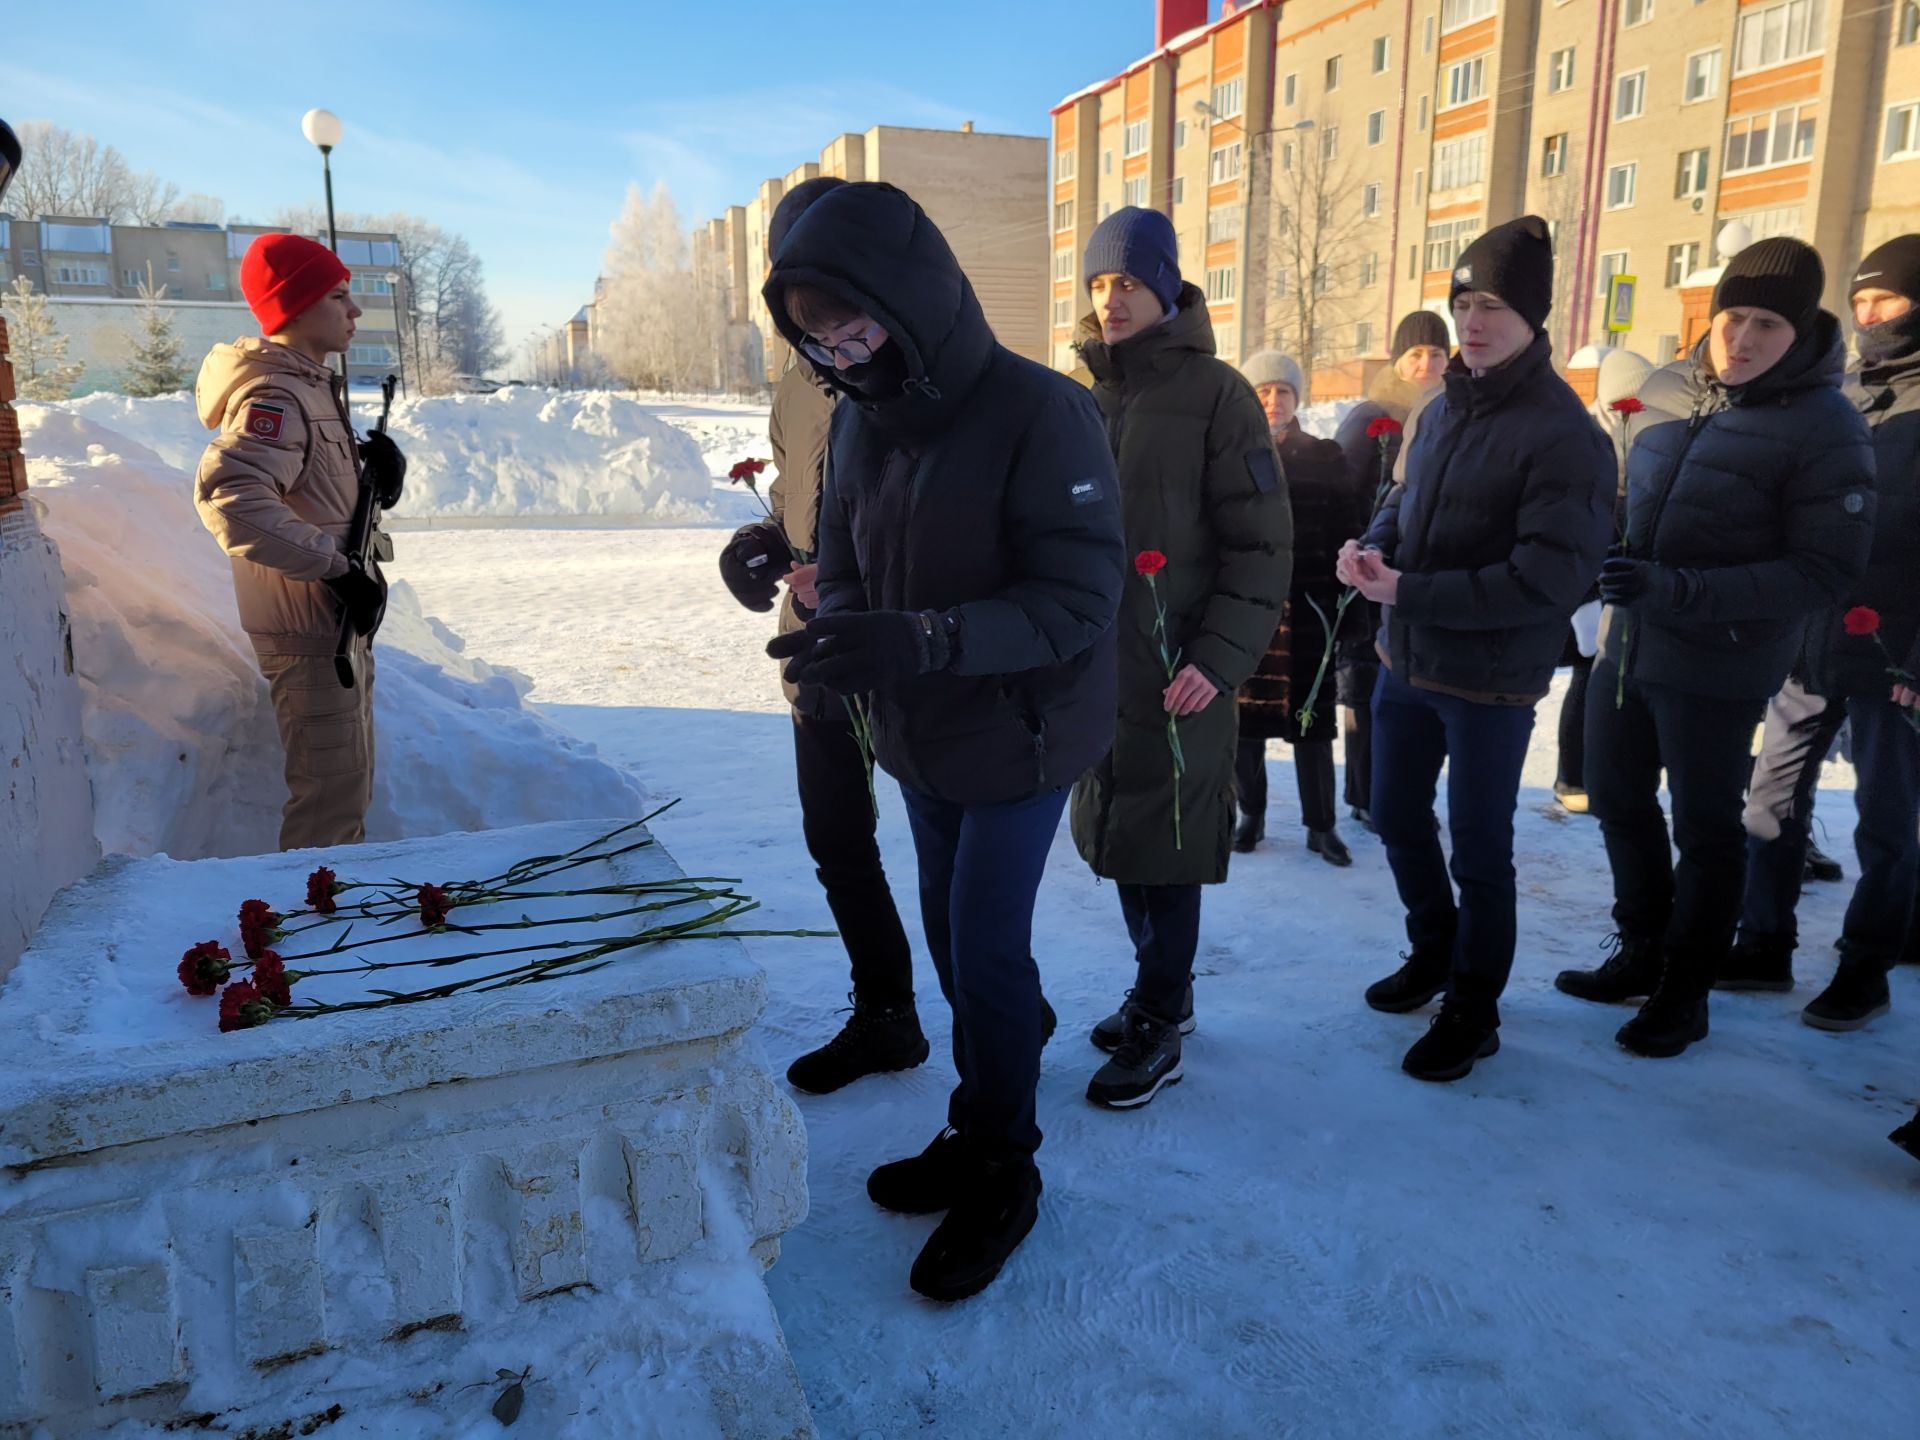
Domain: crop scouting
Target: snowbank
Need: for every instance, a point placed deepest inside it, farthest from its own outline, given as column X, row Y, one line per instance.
column 180, row 738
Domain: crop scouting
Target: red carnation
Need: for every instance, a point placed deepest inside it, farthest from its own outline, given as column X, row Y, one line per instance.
column 321, row 888
column 242, row 1006
column 1628, row 405
column 259, row 927
column 270, row 978
column 205, row 967
column 1861, row 620
column 746, row 470
column 1384, row 426
column 1149, row 562
column 434, row 907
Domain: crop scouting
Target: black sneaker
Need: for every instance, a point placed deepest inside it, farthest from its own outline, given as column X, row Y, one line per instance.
column 876, row 1039
column 1757, row 962
column 1666, row 1025
column 1328, row 845
column 1414, row 984
column 1110, row 1032
column 989, row 1219
column 1907, row 1137
column 1454, row 1040
column 927, row 1182
column 1821, row 867
column 1857, row 993
column 1248, row 833
column 1147, row 1060
column 1631, row 971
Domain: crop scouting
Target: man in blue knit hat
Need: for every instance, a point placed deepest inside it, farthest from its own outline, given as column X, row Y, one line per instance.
column 1205, row 508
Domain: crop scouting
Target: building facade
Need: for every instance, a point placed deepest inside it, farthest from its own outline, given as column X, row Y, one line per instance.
column 1326, row 161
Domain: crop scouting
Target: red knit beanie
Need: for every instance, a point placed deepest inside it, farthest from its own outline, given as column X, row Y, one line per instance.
column 284, row 275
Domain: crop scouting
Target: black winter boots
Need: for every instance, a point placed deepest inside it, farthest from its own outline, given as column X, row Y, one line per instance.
column 1857, row 993
column 1631, row 971
column 1109, row 1033
column 875, row 1039
column 1147, row 1060
column 1757, row 962
column 991, row 1214
column 1456, row 1038
column 1423, row 976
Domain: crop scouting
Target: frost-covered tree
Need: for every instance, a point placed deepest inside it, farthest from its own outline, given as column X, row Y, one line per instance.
column 41, row 370
column 655, row 333
column 69, row 172
column 155, row 366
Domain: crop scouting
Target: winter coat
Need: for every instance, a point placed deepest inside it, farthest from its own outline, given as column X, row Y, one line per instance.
column 277, row 487
column 1498, row 531
column 1011, row 514
column 797, row 430
column 1765, row 495
column 1887, row 391
column 1327, row 512
column 1199, row 482
column 1389, row 397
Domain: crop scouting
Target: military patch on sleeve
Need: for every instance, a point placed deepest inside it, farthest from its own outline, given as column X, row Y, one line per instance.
column 263, row 420
column 1264, row 469
column 1085, row 492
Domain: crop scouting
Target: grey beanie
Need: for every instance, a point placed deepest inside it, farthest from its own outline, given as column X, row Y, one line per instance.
column 1622, row 373
column 1270, row 367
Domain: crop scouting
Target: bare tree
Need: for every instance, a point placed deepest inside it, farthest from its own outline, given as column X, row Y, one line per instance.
column 38, row 350
column 1559, row 205
column 1315, row 241
column 657, row 333
column 69, row 172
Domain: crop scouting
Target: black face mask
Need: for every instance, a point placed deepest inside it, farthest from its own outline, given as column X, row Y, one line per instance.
column 884, row 377
column 1890, row 341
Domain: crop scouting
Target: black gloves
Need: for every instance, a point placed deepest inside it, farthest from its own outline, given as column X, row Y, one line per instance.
column 863, row 650
column 1640, row 584
column 753, row 562
column 383, row 467
column 361, row 597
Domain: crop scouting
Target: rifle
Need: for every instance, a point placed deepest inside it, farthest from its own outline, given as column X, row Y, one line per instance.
column 366, row 524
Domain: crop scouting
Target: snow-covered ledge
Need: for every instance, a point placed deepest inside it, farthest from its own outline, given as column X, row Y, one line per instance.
column 581, row 1180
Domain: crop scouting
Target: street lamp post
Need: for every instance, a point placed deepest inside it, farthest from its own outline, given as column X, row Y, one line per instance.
column 399, row 326
column 322, row 129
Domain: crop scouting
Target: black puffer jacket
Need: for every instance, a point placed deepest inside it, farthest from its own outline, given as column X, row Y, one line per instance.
column 1498, row 531
column 1765, row 496
column 1011, row 504
column 1887, row 389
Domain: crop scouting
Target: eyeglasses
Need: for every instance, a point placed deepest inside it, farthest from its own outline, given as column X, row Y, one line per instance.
column 856, row 350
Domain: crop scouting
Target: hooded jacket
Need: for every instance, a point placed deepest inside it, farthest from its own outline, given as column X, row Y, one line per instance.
column 982, row 486
column 1764, row 495
column 277, row 488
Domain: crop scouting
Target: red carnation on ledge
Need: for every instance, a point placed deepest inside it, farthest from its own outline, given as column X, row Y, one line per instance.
column 434, row 907
column 1383, row 426
column 242, row 1007
column 1149, row 563
column 1861, row 620
column 1628, row 405
column 259, row 927
column 205, row 967
column 271, row 980
column 322, row 886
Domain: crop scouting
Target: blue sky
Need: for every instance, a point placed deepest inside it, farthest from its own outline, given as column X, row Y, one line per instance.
column 521, row 125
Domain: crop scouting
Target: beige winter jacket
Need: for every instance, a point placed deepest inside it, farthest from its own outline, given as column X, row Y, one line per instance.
column 277, row 489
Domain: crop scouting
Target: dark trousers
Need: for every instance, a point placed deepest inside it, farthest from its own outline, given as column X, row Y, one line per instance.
column 980, row 869
column 1355, row 681
column 1800, row 730
column 1484, row 748
column 1312, row 772
column 836, row 816
column 1572, row 769
column 1886, row 753
column 1163, row 921
column 1703, row 744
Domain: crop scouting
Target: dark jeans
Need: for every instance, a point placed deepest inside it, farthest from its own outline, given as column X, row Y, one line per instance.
column 836, row 815
column 1886, row 752
column 1354, row 682
column 1484, row 747
column 1703, row 744
column 1163, row 921
column 980, row 869
column 1312, row 771
column 1799, row 732
column 1572, row 770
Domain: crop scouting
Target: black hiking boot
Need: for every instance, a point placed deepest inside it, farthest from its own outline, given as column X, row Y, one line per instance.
column 1110, row 1032
column 1455, row 1038
column 989, row 1218
column 1856, row 994
column 928, row 1182
column 876, row 1039
column 1148, row 1060
column 1757, row 962
column 1423, row 976
column 1907, row 1137
column 1328, row 845
column 1631, row 971
column 1821, row 867
column 1671, row 1020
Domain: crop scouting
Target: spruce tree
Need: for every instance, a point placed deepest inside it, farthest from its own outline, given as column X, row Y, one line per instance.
column 36, row 347
column 156, row 367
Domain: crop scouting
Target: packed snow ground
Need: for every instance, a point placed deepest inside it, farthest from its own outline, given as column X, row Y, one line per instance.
column 1297, row 1240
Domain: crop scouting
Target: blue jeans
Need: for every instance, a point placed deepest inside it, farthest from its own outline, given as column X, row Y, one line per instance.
column 1484, row 747
column 1886, row 752
column 980, row 869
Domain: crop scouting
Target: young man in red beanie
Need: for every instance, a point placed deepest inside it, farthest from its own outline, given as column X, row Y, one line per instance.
column 277, row 487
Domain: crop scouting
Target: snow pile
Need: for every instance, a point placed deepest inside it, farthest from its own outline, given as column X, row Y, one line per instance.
column 181, row 744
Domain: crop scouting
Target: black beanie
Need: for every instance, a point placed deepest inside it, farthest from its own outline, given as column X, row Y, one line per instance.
column 1780, row 274
column 1420, row 327
column 1515, row 262
column 793, row 205
column 1894, row 266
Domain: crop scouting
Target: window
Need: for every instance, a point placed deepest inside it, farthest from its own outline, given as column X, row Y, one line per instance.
column 1136, row 137
column 1635, row 12
column 1459, row 162
column 1179, row 134
column 1691, row 180
column 1333, row 72
column 1553, row 155
column 1063, row 264
column 1221, row 282
column 1286, row 157
column 1179, row 189
column 1134, row 192
column 1907, row 27
column 1363, row 337
column 1560, row 71
column 1759, row 141
column 1455, row 13
column 1774, row 34
column 1703, row 77
column 1682, row 261
column 1063, row 215
column 1466, row 82
column 1330, row 143
column 1223, row 223
column 1225, row 163
column 218, row 281
column 131, row 279
column 176, row 292
column 1630, row 96
column 76, row 239
column 1063, row 166
column 1228, row 98
column 1419, row 185
column 1322, row 280
column 1901, row 140
column 1413, row 262
column 369, row 285
column 1289, row 89
column 1376, row 127
column 1613, row 263
column 1446, row 240
column 1279, row 284
column 1423, row 113
column 1370, row 199
column 80, row 274
column 1063, row 311
column 369, row 355
column 1382, row 54
column 1369, row 269
column 1106, row 162
column 1622, row 182
column 1553, row 238
column 1106, row 208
